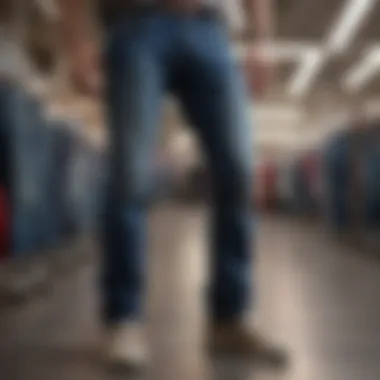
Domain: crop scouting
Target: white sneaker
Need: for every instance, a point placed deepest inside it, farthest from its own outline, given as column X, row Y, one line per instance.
column 126, row 346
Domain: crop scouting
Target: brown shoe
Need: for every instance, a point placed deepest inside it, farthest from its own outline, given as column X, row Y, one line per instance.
column 237, row 339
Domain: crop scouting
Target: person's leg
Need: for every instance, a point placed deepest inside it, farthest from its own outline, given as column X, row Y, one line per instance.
column 136, row 81
column 215, row 100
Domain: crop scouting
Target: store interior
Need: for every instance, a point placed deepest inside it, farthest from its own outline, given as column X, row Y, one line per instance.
column 316, row 145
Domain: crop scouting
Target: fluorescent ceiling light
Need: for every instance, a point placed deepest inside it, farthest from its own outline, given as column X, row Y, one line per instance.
column 309, row 55
column 364, row 71
column 307, row 72
column 277, row 51
column 348, row 24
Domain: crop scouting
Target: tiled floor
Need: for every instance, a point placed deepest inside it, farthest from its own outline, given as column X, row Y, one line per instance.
column 320, row 299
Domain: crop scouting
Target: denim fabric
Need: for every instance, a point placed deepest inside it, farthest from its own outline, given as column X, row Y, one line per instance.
column 304, row 200
column 85, row 184
column 57, row 185
column 372, row 183
column 190, row 57
column 336, row 174
column 24, row 166
column 5, row 166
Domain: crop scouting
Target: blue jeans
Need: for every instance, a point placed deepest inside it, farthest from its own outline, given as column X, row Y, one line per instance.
column 189, row 57
column 336, row 167
column 24, row 159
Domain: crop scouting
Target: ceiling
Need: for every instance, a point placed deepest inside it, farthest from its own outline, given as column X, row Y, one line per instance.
column 338, row 49
column 321, row 46
column 327, row 55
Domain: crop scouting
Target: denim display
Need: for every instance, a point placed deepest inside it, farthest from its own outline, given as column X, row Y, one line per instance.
column 49, row 172
column 371, row 177
column 336, row 172
column 24, row 166
column 57, row 205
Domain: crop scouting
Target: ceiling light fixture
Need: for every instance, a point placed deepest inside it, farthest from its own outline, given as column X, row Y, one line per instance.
column 278, row 51
column 348, row 24
column 309, row 68
column 364, row 71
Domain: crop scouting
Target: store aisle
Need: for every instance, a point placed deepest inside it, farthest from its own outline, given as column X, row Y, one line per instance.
column 319, row 298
